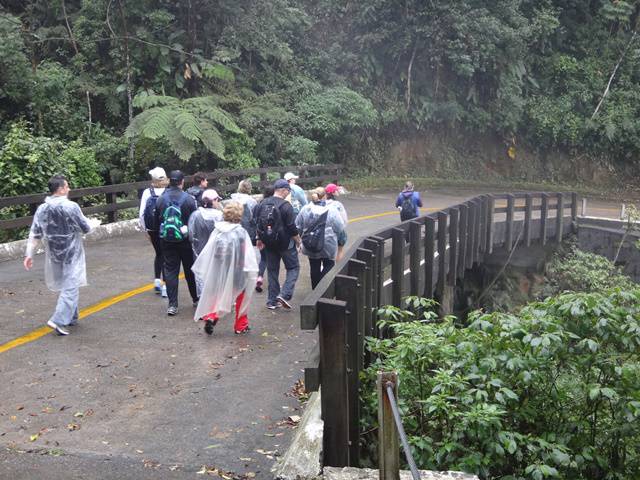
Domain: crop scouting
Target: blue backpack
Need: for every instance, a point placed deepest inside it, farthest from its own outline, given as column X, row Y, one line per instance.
column 149, row 214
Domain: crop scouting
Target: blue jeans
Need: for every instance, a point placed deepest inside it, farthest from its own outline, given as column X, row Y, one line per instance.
column 67, row 307
column 263, row 262
column 291, row 264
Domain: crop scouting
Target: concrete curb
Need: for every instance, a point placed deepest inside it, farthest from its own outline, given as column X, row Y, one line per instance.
column 350, row 473
column 15, row 250
column 302, row 460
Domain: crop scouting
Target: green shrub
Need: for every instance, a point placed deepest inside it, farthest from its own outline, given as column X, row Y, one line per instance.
column 551, row 393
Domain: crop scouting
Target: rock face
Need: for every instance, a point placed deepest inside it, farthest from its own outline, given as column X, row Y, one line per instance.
column 350, row 473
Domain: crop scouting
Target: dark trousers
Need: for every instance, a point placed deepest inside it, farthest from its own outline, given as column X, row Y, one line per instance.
column 174, row 254
column 158, row 260
column 319, row 268
column 291, row 264
column 263, row 262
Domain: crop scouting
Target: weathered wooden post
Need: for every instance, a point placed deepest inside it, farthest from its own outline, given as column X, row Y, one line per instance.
column 528, row 210
column 574, row 212
column 112, row 215
column 368, row 257
column 454, row 220
column 559, row 217
column 415, row 232
column 508, row 237
column 429, row 247
column 397, row 265
column 491, row 203
column 388, row 440
column 464, row 226
column 544, row 213
column 335, row 394
column 442, row 263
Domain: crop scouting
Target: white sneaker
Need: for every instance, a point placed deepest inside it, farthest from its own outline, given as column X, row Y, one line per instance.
column 59, row 330
column 164, row 291
column 157, row 286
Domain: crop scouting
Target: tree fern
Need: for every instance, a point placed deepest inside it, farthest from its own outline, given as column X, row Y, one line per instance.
column 184, row 124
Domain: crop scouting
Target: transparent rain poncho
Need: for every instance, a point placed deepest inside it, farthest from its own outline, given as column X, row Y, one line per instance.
column 309, row 215
column 201, row 225
column 59, row 224
column 227, row 266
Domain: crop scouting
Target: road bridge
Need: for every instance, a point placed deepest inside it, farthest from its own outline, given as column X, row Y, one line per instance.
column 133, row 393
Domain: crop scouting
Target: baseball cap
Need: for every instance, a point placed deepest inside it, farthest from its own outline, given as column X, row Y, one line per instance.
column 210, row 194
column 290, row 176
column 157, row 173
column 281, row 183
column 176, row 175
column 331, row 188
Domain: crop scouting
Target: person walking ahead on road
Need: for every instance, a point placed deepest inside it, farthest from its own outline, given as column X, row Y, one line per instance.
column 147, row 217
column 262, row 266
column 278, row 235
column 298, row 197
column 227, row 268
column 174, row 207
column 320, row 227
column 244, row 198
column 332, row 192
column 408, row 202
column 200, row 184
column 59, row 224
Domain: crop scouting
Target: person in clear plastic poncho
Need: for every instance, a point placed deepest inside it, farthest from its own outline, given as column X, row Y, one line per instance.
column 202, row 222
column 59, row 224
column 227, row 267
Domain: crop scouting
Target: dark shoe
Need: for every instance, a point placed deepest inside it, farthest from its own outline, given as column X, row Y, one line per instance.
column 171, row 311
column 208, row 326
column 259, row 282
column 244, row 330
column 59, row 330
column 284, row 303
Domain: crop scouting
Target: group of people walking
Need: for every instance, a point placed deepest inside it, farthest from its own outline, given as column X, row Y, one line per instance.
column 224, row 247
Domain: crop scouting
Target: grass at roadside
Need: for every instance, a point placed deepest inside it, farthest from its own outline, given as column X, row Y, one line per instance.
column 364, row 183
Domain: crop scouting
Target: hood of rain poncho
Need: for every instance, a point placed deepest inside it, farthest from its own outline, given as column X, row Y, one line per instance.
column 226, row 267
column 337, row 205
column 309, row 215
column 201, row 224
column 59, row 224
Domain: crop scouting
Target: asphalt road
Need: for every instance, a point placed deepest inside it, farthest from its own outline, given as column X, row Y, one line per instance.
column 132, row 393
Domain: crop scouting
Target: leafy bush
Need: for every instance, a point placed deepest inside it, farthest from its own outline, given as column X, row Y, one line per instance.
column 551, row 393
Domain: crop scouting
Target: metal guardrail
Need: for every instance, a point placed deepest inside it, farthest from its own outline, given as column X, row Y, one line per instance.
column 224, row 181
column 428, row 257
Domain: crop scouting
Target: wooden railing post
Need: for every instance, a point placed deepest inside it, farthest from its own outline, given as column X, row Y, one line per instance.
column 335, row 393
column 442, row 254
column 454, row 220
column 415, row 232
column 464, row 235
column 368, row 257
column 559, row 217
column 528, row 210
column 388, row 439
column 474, row 237
column 508, row 234
column 112, row 215
column 397, row 265
column 544, row 212
column 574, row 212
column 491, row 203
column 481, row 228
column 429, row 251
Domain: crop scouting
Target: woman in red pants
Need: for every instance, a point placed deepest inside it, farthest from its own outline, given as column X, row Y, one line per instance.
column 227, row 268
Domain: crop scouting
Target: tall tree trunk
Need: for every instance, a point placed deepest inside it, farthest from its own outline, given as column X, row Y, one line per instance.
column 74, row 43
column 409, row 68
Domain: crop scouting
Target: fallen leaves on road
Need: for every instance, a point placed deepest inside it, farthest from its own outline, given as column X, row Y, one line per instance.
column 34, row 437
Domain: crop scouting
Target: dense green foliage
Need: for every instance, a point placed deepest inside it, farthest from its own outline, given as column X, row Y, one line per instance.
column 553, row 392
column 329, row 80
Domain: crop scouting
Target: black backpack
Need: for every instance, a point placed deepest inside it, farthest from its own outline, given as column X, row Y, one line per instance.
column 59, row 232
column 407, row 208
column 172, row 226
column 149, row 214
column 269, row 225
column 313, row 236
column 248, row 223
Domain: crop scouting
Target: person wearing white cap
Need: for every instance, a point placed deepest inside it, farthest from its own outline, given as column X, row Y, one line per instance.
column 298, row 198
column 148, row 223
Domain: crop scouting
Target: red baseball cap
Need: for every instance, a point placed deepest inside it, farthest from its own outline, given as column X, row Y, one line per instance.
column 331, row 188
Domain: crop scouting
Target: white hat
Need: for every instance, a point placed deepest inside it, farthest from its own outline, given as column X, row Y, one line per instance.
column 210, row 194
column 290, row 176
column 158, row 173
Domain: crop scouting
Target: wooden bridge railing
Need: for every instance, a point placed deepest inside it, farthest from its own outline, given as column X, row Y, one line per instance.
column 425, row 256
column 224, row 181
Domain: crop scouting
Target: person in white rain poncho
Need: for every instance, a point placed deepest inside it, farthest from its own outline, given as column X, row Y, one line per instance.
column 227, row 268
column 321, row 226
column 59, row 224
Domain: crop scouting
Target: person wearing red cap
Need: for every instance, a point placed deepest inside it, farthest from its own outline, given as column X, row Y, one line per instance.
column 332, row 191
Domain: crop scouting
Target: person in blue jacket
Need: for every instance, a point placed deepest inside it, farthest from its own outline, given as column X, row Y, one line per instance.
column 408, row 202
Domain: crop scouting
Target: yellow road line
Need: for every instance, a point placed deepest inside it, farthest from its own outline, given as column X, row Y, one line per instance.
column 384, row 214
column 85, row 312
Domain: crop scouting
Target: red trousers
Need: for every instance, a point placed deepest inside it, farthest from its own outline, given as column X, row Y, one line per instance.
column 241, row 323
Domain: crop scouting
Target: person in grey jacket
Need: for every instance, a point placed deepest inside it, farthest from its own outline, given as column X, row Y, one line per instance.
column 321, row 254
column 59, row 224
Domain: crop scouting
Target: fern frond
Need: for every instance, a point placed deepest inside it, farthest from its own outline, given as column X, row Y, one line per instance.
column 159, row 122
column 187, row 125
column 145, row 100
column 181, row 146
column 219, row 116
column 137, row 124
column 212, row 139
